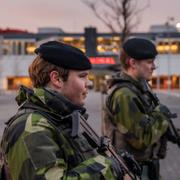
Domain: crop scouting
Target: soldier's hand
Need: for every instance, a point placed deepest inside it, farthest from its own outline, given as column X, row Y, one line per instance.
column 131, row 163
column 117, row 168
column 165, row 110
column 172, row 138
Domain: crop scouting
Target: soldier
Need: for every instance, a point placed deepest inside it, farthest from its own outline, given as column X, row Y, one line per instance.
column 133, row 120
column 43, row 140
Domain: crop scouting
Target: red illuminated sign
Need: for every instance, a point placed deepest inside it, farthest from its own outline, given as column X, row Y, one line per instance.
column 102, row 60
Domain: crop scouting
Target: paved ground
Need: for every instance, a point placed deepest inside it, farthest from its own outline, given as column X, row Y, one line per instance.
column 169, row 166
column 7, row 108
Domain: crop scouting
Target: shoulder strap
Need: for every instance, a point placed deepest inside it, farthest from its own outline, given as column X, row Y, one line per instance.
column 120, row 84
column 125, row 83
column 54, row 120
column 28, row 109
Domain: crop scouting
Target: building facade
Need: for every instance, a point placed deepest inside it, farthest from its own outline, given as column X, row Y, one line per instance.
column 17, row 52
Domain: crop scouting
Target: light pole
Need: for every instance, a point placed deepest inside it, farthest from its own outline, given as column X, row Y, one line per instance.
column 168, row 22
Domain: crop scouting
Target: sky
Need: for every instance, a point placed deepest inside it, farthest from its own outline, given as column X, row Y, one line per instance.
column 74, row 16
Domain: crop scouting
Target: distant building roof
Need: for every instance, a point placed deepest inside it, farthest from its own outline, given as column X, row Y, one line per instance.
column 50, row 30
column 162, row 28
column 14, row 31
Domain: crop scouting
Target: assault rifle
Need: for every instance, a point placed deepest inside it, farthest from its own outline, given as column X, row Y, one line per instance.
column 172, row 134
column 103, row 145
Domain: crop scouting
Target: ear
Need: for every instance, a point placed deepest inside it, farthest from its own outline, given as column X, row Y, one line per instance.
column 55, row 80
column 132, row 63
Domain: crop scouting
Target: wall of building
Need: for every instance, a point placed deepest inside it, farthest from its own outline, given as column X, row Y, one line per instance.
column 167, row 63
column 16, row 54
column 12, row 66
column 16, row 66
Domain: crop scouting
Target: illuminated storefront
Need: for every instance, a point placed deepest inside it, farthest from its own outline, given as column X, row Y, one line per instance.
column 15, row 82
column 18, row 47
column 168, row 46
column 75, row 41
column 108, row 45
column 161, row 82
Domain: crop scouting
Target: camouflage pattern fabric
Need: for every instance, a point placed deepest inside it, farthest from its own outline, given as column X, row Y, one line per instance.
column 34, row 149
column 128, row 123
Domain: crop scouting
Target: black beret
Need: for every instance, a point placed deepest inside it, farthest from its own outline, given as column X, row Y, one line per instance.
column 140, row 49
column 63, row 55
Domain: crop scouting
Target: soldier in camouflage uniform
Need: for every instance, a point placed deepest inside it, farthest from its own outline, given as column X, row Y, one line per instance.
column 43, row 141
column 132, row 120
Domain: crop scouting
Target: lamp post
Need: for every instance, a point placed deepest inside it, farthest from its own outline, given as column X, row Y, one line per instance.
column 168, row 30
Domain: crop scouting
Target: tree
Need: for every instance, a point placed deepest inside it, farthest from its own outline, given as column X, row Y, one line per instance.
column 118, row 15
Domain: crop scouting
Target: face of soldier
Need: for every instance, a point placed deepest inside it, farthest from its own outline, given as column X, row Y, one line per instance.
column 76, row 87
column 144, row 69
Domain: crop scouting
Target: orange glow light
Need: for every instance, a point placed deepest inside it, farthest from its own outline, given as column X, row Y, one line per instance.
column 102, row 60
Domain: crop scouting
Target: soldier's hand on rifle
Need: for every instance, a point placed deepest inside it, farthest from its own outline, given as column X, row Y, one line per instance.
column 165, row 110
column 116, row 167
column 131, row 162
column 172, row 137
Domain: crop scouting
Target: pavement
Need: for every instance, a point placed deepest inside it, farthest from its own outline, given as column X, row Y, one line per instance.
column 169, row 166
column 175, row 93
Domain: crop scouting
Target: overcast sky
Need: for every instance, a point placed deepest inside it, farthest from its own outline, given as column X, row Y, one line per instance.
column 73, row 15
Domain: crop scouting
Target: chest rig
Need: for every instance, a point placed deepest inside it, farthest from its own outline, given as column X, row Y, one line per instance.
column 142, row 91
column 146, row 103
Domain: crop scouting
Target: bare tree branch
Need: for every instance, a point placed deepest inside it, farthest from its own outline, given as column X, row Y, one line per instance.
column 118, row 15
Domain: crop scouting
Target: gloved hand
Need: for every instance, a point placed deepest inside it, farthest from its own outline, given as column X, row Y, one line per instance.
column 116, row 167
column 165, row 110
column 172, row 138
column 131, row 162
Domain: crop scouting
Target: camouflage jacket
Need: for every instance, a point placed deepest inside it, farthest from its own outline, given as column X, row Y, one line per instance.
column 36, row 149
column 132, row 120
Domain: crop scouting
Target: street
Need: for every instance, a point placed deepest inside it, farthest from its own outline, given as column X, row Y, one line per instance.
column 169, row 166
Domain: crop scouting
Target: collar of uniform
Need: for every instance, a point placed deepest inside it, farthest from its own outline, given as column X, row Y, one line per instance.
column 60, row 104
column 138, row 83
column 47, row 99
column 123, row 77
